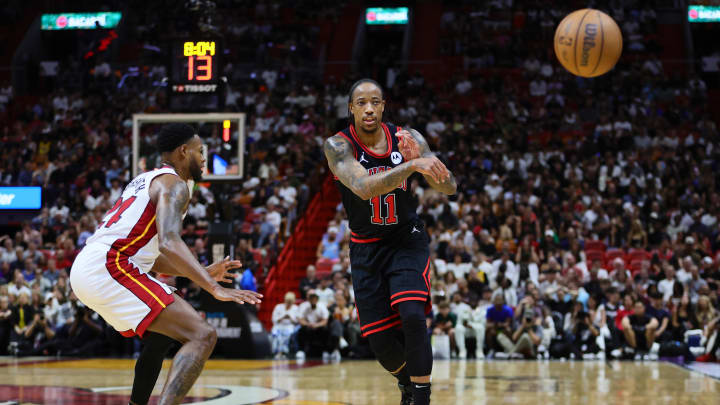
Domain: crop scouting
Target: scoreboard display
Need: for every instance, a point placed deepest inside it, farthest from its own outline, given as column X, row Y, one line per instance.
column 195, row 68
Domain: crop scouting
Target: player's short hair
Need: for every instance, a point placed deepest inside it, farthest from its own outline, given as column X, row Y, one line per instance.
column 173, row 135
column 361, row 81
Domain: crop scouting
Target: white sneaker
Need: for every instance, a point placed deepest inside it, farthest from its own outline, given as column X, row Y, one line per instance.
column 616, row 353
column 588, row 356
column 517, row 356
column 326, row 356
column 335, row 356
column 655, row 349
column 501, row 355
column 638, row 357
column 480, row 355
column 300, row 355
column 600, row 356
column 462, row 354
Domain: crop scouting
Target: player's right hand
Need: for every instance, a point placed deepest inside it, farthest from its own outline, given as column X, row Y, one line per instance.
column 239, row 296
column 432, row 167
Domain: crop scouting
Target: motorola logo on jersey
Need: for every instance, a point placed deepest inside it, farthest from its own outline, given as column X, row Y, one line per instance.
column 380, row 169
column 396, row 158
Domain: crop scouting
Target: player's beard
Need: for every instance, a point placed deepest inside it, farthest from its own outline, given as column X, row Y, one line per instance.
column 196, row 171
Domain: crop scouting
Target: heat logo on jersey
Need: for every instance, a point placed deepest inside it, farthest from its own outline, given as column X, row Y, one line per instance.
column 380, row 169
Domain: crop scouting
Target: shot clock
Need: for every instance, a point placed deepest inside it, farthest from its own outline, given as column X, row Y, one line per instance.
column 195, row 74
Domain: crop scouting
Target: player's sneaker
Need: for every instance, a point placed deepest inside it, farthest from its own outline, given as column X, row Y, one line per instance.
column 335, row 356
column 407, row 395
column 300, row 355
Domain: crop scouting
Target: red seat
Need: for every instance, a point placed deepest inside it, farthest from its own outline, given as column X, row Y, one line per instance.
column 637, row 254
column 593, row 255
column 612, row 254
column 635, row 265
column 595, row 245
column 324, row 266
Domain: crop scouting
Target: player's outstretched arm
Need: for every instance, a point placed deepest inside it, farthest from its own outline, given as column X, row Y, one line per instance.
column 171, row 196
column 413, row 145
column 353, row 175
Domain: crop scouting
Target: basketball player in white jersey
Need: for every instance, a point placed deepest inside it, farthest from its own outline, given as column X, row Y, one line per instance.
column 142, row 233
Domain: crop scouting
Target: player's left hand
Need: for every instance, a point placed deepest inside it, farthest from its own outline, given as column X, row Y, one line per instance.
column 219, row 271
column 409, row 148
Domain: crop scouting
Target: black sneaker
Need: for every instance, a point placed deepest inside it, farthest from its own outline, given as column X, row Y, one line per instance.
column 407, row 395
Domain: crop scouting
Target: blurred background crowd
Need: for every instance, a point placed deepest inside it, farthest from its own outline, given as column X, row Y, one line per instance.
column 585, row 224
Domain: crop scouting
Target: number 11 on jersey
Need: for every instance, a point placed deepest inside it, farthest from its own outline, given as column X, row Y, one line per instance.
column 377, row 217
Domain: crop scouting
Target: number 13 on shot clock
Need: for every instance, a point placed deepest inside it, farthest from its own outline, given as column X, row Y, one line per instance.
column 199, row 60
column 195, row 65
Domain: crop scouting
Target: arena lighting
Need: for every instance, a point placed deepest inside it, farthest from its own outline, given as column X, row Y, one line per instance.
column 80, row 21
column 698, row 14
column 20, row 198
column 383, row 15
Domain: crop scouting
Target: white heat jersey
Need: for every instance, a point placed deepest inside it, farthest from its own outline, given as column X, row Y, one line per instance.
column 128, row 230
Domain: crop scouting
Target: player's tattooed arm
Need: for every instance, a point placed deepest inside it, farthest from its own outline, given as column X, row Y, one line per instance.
column 354, row 176
column 447, row 187
column 171, row 197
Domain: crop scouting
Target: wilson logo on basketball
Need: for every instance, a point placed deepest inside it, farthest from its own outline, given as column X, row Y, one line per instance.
column 588, row 43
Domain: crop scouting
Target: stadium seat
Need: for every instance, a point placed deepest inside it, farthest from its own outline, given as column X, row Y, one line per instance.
column 637, row 254
column 324, row 266
column 594, row 245
column 593, row 255
column 612, row 254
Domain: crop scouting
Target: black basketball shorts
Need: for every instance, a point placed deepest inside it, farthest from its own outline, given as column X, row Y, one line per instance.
column 388, row 272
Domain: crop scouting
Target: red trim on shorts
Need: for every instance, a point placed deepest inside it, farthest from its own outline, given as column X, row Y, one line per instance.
column 365, row 148
column 362, row 239
column 426, row 274
column 129, row 276
column 128, row 333
column 379, row 322
column 388, row 326
column 371, row 240
column 393, row 303
column 409, row 292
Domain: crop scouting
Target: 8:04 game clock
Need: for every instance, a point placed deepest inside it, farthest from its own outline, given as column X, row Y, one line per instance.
column 195, row 73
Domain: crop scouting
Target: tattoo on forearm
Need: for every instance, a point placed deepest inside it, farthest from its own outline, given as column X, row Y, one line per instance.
column 351, row 173
column 449, row 186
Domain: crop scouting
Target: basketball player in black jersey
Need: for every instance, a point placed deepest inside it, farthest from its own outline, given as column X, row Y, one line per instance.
column 389, row 250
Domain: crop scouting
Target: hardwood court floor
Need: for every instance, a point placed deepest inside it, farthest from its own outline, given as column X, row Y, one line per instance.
column 237, row 382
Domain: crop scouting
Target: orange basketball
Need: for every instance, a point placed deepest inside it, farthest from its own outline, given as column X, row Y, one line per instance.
column 588, row 42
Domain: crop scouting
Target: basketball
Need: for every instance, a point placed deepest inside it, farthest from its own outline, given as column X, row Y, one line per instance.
column 588, row 43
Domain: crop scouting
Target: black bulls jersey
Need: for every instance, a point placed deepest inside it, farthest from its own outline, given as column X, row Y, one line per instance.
column 381, row 216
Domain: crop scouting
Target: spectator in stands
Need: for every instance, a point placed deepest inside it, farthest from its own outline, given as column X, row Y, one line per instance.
column 5, row 323
column 22, row 316
column 444, row 324
column 313, row 318
column 583, row 331
column 639, row 329
column 310, row 282
column 341, row 314
column 499, row 319
column 704, row 314
column 285, row 324
column 666, row 285
column 325, row 292
column 683, row 319
column 329, row 246
column 657, row 310
column 19, row 287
